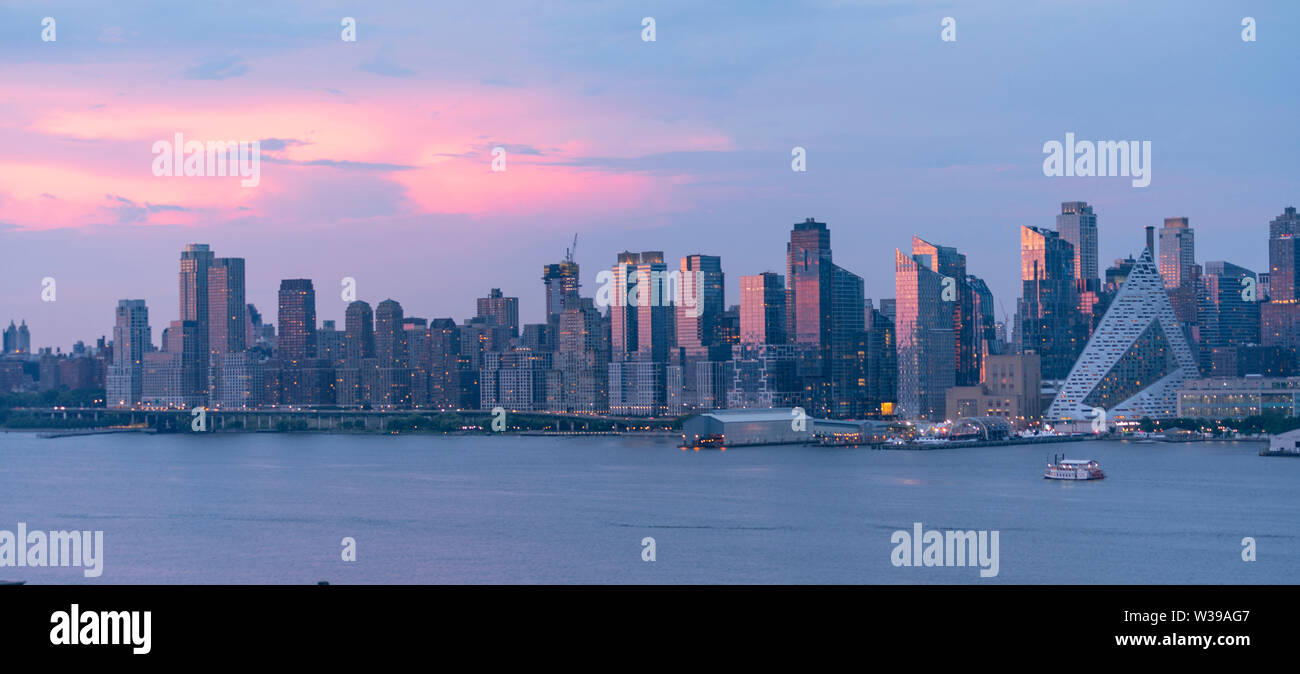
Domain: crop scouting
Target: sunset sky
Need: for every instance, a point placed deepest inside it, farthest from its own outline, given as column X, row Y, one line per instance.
column 376, row 154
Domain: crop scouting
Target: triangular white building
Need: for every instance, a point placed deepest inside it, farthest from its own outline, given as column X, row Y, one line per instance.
column 1135, row 361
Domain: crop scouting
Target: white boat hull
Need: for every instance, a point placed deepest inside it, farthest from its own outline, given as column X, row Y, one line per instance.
column 1054, row 473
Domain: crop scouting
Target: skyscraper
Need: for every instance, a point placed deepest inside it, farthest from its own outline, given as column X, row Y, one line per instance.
column 392, row 388
column 762, row 309
column 809, row 283
column 641, row 309
column 504, row 310
column 924, row 334
column 358, row 331
column 561, row 281
column 847, row 394
column 415, row 332
column 1225, row 317
column 959, row 300
column 1078, row 225
column 1048, row 311
column 297, row 338
column 697, row 326
column 1177, row 252
column 987, row 339
column 444, row 356
column 132, row 339
column 1283, row 257
column 1281, row 314
column 195, row 261
column 390, row 340
column 226, row 305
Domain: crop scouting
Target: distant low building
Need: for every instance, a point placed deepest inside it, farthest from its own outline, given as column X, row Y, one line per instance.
column 1009, row 389
column 1239, row 397
column 751, row 427
column 1285, row 443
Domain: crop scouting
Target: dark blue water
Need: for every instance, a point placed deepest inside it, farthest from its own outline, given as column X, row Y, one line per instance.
column 273, row 508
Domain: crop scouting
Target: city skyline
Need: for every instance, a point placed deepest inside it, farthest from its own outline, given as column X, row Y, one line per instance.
column 527, row 304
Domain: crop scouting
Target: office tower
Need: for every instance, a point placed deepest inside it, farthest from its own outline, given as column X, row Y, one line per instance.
column 1078, row 224
column 1225, row 317
column 641, row 309
column 959, row 300
column 1135, row 361
column 701, row 284
column 1177, row 252
column 226, row 305
column 358, row 331
column 762, row 309
column 297, row 323
column 1048, row 314
column 24, row 342
column 622, row 310
column 847, row 395
column 809, row 285
column 924, row 335
column 561, row 282
column 882, row 362
column 1281, row 314
column 195, row 261
column 504, row 310
column 1283, row 260
column 987, row 340
column 655, row 315
column 132, row 339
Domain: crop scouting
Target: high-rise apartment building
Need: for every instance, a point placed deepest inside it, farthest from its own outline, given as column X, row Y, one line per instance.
column 503, row 310
column 297, row 320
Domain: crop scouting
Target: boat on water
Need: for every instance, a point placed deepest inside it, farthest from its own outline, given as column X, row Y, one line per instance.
column 12, row 582
column 1062, row 468
column 710, row 441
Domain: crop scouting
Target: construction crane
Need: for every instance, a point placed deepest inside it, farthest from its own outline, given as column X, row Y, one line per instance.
column 570, row 252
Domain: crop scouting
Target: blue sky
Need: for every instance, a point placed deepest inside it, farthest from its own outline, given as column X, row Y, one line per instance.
column 681, row 145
